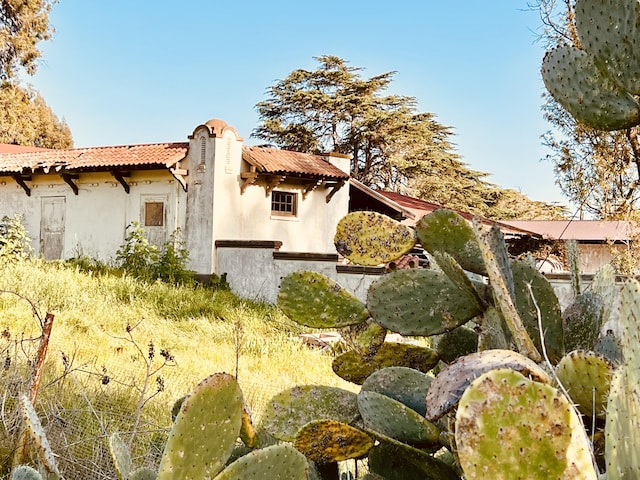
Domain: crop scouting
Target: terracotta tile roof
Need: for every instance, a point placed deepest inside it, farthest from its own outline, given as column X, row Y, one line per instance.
column 10, row 148
column 271, row 160
column 584, row 230
column 94, row 158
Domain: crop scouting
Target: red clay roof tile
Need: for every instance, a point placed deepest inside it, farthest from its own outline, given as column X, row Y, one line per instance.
column 271, row 160
column 94, row 158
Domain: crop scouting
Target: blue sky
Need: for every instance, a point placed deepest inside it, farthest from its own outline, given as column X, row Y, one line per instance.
column 132, row 71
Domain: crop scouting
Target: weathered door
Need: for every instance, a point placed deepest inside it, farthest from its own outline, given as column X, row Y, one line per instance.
column 154, row 218
column 52, row 227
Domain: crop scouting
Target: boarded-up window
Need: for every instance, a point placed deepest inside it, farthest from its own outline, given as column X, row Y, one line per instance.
column 154, row 214
column 284, row 203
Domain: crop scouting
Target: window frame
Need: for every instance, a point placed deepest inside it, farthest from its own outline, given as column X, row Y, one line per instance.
column 286, row 212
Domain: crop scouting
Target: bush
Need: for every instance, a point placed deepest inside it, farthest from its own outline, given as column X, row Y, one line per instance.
column 14, row 241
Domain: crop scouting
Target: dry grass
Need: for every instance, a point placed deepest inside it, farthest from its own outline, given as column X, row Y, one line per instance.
column 104, row 328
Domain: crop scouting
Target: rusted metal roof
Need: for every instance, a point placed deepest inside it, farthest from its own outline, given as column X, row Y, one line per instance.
column 420, row 208
column 286, row 162
column 581, row 230
column 95, row 158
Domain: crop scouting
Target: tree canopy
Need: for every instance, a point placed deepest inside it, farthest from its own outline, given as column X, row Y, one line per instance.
column 393, row 146
column 25, row 118
column 596, row 169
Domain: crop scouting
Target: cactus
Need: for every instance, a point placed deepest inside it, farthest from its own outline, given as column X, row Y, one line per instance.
column 419, row 302
column 389, row 417
column 142, row 473
column 120, row 456
column 314, row 300
column 25, row 472
column 290, row 410
column 451, row 382
column 277, row 462
column 369, row 238
column 34, row 436
column 505, row 418
column 329, row 441
column 446, row 231
column 355, row 368
column 395, row 462
column 583, row 321
column 597, row 83
column 406, row 385
column 587, row 378
column 622, row 430
column 457, row 343
column 205, row 430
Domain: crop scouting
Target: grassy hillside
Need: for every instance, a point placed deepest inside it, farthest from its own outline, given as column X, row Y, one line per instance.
column 122, row 351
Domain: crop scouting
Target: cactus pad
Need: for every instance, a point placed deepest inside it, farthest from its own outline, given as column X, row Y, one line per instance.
column 509, row 427
column 572, row 78
column 446, row 231
column 459, row 278
column 248, row 432
column 205, row 431
column 35, row 432
column 365, row 338
column 121, row 456
column 525, row 276
column 587, row 378
column 393, row 419
column 369, row 238
column 328, row 441
column 406, row 385
column 355, row 368
column 419, row 302
column 142, row 473
column 609, row 30
column 311, row 299
column 290, row 410
column 395, row 462
column 25, row 472
column 450, row 384
column 457, row 343
column 277, row 462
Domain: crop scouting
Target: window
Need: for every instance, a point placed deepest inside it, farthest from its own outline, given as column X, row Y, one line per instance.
column 203, row 150
column 284, row 203
column 154, row 214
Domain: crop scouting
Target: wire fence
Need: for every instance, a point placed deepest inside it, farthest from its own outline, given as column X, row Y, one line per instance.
column 81, row 403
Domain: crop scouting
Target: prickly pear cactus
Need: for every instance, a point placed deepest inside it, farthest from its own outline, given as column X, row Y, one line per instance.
column 328, row 441
column 314, row 300
column 34, row 438
column 419, row 302
column 393, row 419
column 205, row 431
column 508, row 427
column 142, row 473
column 446, row 231
column 290, row 410
column 622, row 430
column 406, row 385
column 369, row 238
column 277, row 462
column 120, row 456
column 596, row 84
column 451, row 383
column 25, row 472
column 397, row 462
column 587, row 378
column 354, row 367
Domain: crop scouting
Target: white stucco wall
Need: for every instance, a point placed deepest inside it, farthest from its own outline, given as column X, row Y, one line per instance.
column 94, row 220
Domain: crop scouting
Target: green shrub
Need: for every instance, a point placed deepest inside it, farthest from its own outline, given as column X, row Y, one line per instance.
column 14, row 240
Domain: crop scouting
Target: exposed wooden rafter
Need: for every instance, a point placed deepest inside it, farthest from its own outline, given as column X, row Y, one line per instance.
column 119, row 176
column 20, row 180
column 249, row 178
column 69, row 178
column 179, row 174
column 335, row 189
column 310, row 187
column 272, row 182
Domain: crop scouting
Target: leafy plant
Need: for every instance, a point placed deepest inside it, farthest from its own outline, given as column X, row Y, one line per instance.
column 14, row 239
column 137, row 255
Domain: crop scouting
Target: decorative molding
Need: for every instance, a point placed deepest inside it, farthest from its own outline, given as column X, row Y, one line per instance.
column 273, row 244
column 249, row 178
column 310, row 187
column 272, row 182
column 360, row 270
column 303, row 256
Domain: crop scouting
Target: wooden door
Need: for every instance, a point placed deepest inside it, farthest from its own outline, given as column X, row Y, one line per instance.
column 52, row 222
